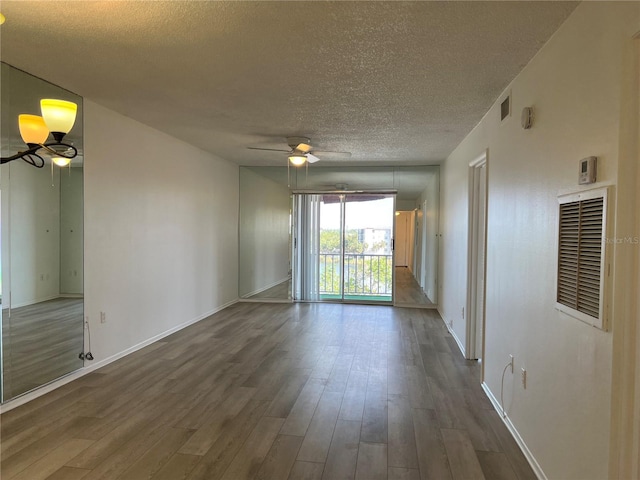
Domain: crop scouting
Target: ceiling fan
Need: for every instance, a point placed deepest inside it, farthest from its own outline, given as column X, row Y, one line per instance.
column 300, row 151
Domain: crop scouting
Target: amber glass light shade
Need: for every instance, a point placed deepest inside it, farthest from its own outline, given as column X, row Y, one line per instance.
column 32, row 129
column 59, row 115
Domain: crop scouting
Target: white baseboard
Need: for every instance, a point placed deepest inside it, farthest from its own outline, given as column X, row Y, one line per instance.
column 453, row 334
column 40, row 391
column 266, row 300
column 415, row 305
column 71, row 295
column 537, row 469
column 262, row 289
column 32, row 302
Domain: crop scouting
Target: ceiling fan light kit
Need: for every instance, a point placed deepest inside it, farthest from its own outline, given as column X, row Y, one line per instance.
column 300, row 151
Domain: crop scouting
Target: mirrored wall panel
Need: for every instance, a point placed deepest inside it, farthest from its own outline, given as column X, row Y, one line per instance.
column 264, row 236
column 267, row 241
column 42, row 246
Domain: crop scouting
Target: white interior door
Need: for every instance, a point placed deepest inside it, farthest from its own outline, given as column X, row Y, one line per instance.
column 402, row 239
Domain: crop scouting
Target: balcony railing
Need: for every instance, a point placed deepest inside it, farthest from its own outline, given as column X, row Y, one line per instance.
column 364, row 274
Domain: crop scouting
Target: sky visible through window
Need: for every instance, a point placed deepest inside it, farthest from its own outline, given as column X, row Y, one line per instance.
column 373, row 214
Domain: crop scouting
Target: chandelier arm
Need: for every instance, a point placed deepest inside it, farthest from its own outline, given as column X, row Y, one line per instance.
column 39, row 163
column 33, row 149
column 47, row 146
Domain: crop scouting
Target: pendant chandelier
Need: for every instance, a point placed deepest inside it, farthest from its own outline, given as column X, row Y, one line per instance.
column 58, row 117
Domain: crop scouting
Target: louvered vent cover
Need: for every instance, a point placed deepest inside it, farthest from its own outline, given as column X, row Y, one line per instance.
column 581, row 256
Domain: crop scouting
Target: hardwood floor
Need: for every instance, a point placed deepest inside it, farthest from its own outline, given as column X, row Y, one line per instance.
column 282, row 291
column 41, row 342
column 273, row 391
column 408, row 291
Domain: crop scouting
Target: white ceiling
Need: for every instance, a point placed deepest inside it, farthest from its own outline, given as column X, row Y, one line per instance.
column 395, row 83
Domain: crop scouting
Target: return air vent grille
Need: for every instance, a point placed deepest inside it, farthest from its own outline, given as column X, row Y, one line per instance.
column 505, row 108
column 581, row 244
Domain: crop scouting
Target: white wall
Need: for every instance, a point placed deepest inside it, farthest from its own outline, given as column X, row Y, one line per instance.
column 407, row 205
column 430, row 243
column 71, row 231
column 264, row 233
column 574, row 85
column 626, row 342
column 161, row 242
column 32, row 222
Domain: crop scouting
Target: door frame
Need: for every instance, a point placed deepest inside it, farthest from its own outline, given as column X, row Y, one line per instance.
column 477, row 240
column 423, row 248
column 296, row 246
column 343, row 208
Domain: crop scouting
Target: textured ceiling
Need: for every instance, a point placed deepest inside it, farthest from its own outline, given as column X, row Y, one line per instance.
column 391, row 82
column 408, row 181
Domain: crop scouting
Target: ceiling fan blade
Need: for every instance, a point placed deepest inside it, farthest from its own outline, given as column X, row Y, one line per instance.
column 303, row 147
column 311, row 158
column 269, row 149
column 333, row 154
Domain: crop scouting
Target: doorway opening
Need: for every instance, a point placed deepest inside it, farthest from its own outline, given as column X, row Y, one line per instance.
column 412, row 259
column 477, row 248
column 343, row 247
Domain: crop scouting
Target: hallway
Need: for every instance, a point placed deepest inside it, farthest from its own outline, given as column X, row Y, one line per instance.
column 408, row 291
column 273, row 391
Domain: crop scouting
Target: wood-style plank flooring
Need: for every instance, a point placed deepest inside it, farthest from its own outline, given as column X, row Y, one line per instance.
column 281, row 291
column 273, row 391
column 408, row 291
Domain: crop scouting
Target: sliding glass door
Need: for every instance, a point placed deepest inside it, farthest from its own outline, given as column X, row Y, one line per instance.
column 344, row 247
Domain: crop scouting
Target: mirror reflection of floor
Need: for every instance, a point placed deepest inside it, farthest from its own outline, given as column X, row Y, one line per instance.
column 282, row 291
column 408, row 291
column 41, row 342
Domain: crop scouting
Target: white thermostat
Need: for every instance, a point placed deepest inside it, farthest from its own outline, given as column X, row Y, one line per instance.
column 588, row 170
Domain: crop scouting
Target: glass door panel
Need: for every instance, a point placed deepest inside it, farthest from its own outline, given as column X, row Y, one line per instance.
column 331, row 247
column 368, row 247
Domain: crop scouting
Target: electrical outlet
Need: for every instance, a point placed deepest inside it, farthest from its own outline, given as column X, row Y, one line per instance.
column 103, row 317
column 524, row 378
column 511, row 362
